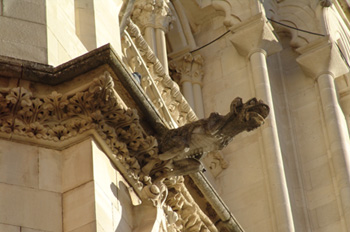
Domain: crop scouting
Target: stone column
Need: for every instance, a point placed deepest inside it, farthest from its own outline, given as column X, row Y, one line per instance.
column 185, row 69
column 190, row 75
column 154, row 18
column 322, row 61
column 254, row 39
column 197, row 76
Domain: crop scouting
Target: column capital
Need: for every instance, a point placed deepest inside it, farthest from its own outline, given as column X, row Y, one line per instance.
column 152, row 13
column 254, row 34
column 321, row 56
column 190, row 68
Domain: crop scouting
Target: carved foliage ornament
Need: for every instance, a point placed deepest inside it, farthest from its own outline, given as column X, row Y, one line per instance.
column 152, row 13
column 58, row 117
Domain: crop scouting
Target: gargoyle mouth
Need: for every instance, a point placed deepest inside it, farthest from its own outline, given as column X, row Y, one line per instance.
column 255, row 113
column 195, row 156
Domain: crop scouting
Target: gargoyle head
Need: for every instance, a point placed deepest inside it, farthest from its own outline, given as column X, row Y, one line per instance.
column 243, row 117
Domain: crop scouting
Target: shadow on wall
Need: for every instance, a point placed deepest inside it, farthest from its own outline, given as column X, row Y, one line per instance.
column 123, row 216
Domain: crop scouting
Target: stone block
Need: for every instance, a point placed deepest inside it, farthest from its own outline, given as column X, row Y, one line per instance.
column 250, row 204
column 61, row 22
column 24, row 229
column 320, row 196
column 30, row 208
column 263, row 225
column 77, row 165
column 106, row 18
column 332, row 227
column 244, row 161
column 50, row 170
column 123, row 226
column 125, row 207
column 90, row 227
column 23, row 32
column 320, row 176
column 23, row 51
column 104, row 210
column 328, row 214
column 79, row 207
column 28, row 10
column 52, row 44
column 104, row 173
column 9, row 228
column 231, row 60
column 19, row 164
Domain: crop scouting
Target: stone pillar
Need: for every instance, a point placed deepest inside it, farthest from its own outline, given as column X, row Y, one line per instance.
column 190, row 71
column 197, row 76
column 322, row 61
column 254, row 39
column 185, row 68
column 154, row 18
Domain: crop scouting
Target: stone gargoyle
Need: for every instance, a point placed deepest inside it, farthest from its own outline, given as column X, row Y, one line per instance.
column 181, row 149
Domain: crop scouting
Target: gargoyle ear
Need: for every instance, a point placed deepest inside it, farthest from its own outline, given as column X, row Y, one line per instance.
column 235, row 103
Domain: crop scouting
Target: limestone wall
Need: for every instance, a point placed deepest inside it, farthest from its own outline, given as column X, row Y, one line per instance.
column 76, row 189
column 54, row 32
column 309, row 169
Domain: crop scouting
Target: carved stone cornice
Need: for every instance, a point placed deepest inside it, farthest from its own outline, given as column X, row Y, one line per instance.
column 61, row 116
column 152, row 13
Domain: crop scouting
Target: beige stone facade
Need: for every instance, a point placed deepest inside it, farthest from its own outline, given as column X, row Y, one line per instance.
column 80, row 120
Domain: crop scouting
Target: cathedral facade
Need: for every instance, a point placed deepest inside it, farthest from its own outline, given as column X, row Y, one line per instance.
column 174, row 115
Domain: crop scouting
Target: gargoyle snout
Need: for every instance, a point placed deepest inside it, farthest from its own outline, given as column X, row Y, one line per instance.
column 258, row 106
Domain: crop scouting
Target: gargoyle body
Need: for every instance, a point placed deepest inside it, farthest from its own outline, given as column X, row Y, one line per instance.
column 181, row 149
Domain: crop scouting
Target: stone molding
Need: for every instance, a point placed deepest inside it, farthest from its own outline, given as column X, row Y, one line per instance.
column 143, row 73
column 150, row 13
column 175, row 102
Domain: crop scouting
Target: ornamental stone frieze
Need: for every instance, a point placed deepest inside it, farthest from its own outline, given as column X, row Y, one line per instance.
column 178, row 107
column 58, row 116
column 152, row 13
